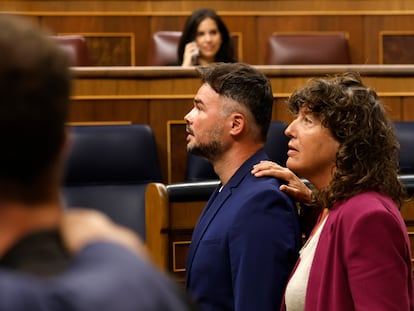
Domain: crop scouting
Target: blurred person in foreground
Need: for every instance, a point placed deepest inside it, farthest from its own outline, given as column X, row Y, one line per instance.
column 358, row 255
column 51, row 259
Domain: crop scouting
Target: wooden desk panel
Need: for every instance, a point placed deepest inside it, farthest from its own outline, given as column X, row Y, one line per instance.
column 160, row 95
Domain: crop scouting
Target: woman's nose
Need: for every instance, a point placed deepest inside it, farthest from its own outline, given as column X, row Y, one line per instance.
column 290, row 128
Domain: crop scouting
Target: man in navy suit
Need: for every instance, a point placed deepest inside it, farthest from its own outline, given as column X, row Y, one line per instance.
column 246, row 241
column 50, row 259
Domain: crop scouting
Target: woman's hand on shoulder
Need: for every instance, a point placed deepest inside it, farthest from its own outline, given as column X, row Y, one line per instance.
column 294, row 186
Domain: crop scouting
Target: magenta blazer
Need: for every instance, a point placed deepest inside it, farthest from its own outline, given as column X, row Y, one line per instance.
column 363, row 259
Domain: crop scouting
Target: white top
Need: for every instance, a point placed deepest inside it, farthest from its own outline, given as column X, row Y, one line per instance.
column 295, row 294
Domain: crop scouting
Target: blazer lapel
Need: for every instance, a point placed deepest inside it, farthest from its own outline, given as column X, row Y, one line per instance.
column 210, row 211
column 215, row 203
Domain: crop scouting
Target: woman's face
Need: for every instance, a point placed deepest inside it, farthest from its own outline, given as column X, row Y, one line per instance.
column 312, row 149
column 208, row 39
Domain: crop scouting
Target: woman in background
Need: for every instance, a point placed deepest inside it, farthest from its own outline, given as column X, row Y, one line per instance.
column 358, row 255
column 205, row 39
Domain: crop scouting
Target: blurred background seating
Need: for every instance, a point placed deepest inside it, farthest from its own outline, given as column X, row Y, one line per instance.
column 163, row 49
column 108, row 168
column 75, row 47
column 313, row 48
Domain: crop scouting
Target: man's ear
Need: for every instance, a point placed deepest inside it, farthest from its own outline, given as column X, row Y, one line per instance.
column 238, row 123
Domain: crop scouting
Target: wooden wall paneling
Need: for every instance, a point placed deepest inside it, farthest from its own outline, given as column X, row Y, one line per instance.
column 245, row 28
column 183, row 217
column 179, row 254
column 352, row 25
column 396, row 47
column 280, row 112
column 393, row 106
column 178, row 249
column 237, row 42
column 369, row 46
column 408, row 108
column 34, row 19
column 176, row 150
column 109, row 109
column 283, row 86
column 375, row 24
column 115, row 109
column 157, row 220
column 82, row 110
column 390, row 85
column 109, row 49
column 164, row 87
column 118, row 29
column 167, row 22
column 75, row 5
column 162, row 113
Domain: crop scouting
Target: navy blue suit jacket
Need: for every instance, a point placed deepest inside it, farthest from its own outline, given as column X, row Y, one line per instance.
column 104, row 276
column 244, row 245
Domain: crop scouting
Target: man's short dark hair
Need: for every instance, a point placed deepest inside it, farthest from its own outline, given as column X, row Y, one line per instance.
column 245, row 85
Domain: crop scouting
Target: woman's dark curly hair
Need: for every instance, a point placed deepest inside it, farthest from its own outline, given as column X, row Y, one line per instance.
column 367, row 157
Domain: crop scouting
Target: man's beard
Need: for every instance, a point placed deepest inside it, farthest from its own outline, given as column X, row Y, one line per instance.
column 208, row 151
column 211, row 150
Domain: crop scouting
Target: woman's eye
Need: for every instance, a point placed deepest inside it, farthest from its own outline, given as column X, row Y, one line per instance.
column 308, row 120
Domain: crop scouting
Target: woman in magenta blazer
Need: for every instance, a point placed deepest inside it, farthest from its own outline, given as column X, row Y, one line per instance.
column 358, row 254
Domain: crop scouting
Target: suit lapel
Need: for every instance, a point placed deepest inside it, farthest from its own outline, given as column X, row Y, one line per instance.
column 215, row 203
column 210, row 211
